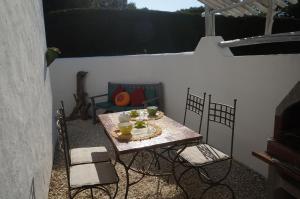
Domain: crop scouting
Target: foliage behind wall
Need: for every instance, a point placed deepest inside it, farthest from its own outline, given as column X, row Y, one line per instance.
column 51, row 5
column 106, row 32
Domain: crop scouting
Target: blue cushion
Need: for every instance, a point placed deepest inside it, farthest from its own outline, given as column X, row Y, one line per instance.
column 129, row 89
column 111, row 88
column 118, row 108
column 111, row 107
column 104, row 105
column 150, row 93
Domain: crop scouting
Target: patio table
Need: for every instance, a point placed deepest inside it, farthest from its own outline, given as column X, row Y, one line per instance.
column 174, row 135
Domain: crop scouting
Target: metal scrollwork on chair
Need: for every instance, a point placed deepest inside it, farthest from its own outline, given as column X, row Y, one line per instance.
column 96, row 175
column 198, row 157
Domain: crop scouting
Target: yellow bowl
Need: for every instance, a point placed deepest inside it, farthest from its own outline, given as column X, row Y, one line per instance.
column 125, row 128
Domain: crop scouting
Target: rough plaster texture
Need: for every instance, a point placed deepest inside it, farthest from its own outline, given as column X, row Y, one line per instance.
column 258, row 82
column 26, row 124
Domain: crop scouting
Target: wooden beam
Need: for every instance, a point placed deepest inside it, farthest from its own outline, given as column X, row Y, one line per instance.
column 280, row 3
column 263, row 156
column 260, row 7
column 293, row 1
column 209, row 22
column 274, row 38
column 234, row 5
column 270, row 17
column 239, row 8
column 251, row 9
column 243, row 10
column 213, row 5
column 235, row 11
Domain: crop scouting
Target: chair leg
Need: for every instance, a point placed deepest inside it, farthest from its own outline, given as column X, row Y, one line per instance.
column 116, row 191
column 215, row 185
column 225, row 176
column 92, row 193
column 69, row 193
column 157, row 163
column 94, row 115
column 178, row 181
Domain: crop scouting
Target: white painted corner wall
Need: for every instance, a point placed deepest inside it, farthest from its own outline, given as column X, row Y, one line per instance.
column 258, row 82
column 26, row 121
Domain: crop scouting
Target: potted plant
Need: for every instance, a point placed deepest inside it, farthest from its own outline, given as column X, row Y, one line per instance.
column 51, row 54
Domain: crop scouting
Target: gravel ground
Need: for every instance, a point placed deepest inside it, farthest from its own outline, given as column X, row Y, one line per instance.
column 245, row 183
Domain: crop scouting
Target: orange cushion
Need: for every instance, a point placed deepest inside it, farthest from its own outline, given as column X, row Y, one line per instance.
column 137, row 97
column 122, row 99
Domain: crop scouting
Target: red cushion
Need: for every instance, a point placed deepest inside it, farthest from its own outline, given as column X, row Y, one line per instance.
column 118, row 90
column 137, row 97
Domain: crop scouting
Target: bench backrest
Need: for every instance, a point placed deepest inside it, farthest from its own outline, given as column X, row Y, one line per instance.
column 151, row 90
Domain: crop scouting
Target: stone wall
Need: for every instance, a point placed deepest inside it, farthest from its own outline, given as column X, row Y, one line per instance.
column 26, row 119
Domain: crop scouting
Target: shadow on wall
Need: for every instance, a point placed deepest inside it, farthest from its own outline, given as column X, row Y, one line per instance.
column 45, row 70
column 54, row 129
column 32, row 190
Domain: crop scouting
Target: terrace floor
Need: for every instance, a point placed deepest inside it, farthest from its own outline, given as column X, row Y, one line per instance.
column 246, row 183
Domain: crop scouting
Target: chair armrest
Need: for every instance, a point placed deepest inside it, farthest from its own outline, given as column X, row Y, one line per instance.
column 97, row 96
column 150, row 100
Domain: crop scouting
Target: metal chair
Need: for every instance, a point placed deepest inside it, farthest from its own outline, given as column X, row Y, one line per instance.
column 86, row 176
column 83, row 155
column 199, row 156
column 195, row 104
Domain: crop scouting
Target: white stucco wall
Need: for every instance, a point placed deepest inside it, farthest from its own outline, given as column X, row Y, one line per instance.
column 258, row 82
column 26, row 143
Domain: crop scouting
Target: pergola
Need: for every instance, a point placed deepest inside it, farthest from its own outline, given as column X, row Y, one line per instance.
column 237, row 8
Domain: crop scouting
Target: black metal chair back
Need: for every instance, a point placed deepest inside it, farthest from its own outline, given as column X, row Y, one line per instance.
column 195, row 104
column 63, row 115
column 62, row 127
column 222, row 114
column 62, row 139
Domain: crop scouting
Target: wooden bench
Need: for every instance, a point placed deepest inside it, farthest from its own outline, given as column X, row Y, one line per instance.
column 153, row 95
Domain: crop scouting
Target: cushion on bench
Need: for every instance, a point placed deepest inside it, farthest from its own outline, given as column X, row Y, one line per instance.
column 153, row 94
column 111, row 107
column 149, row 89
column 150, row 93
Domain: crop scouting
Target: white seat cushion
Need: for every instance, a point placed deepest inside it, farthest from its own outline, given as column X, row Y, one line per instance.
column 92, row 174
column 202, row 154
column 88, row 155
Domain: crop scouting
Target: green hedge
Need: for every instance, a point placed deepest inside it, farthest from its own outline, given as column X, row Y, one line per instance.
column 101, row 32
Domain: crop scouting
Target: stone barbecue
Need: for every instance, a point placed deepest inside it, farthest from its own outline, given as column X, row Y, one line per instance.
column 283, row 150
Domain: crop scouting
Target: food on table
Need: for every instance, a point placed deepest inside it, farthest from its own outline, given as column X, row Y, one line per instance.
column 152, row 110
column 124, row 117
column 134, row 113
column 140, row 124
column 125, row 128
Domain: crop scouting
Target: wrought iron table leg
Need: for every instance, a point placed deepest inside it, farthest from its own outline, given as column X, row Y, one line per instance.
column 154, row 160
column 127, row 167
column 127, row 183
column 174, row 172
column 116, row 191
column 92, row 193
